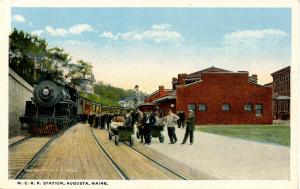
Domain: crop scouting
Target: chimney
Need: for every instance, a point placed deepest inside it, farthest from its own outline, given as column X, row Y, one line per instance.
column 253, row 78
column 174, row 83
column 136, row 88
column 181, row 79
column 161, row 91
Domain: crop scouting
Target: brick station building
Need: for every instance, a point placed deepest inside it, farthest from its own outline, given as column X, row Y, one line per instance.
column 217, row 96
column 281, row 93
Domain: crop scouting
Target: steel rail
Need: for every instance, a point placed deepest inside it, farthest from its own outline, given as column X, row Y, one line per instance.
column 19, row 141
column 119, row 170
column 161, row 165
column 30, row 163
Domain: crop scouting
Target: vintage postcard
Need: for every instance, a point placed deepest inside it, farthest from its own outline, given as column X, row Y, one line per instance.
column 184, row 94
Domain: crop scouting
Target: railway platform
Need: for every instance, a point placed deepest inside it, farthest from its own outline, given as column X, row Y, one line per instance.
column 228, row 158
column 82, row 152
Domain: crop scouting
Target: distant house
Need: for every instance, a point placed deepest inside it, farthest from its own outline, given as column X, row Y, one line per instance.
column 132, row 101
column 84, row 84
column 127, row 102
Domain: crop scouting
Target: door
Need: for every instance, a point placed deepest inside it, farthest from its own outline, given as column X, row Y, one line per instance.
column 193, row 108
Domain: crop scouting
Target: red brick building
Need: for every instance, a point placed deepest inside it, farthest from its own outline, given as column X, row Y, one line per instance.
column 281, row 93
column 218, row 96
column 162, row 99
column 161, row 92
column 226, row 98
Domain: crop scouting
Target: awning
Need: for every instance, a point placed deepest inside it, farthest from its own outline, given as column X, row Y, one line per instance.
column 168, row 97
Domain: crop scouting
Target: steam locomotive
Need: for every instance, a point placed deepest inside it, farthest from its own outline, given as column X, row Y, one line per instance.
column 52, row 108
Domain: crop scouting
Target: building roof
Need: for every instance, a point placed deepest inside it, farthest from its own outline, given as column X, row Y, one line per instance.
column 210, row 69
column 286, row 68
column 166, row 90
column 268, row 84
column 196, row 75
column 168, row 97
column 146, row 104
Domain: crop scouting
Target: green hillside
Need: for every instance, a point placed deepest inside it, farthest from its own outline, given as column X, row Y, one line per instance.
column 108, row 95
column 98, row 99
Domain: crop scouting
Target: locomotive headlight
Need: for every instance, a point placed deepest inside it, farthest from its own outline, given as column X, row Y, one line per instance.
column 45, row 92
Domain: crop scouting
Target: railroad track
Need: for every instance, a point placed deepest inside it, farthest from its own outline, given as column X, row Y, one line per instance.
column 158, row 163
column 125, row 173
column 74, row 155
column 24, row 153
column 19, row 141
column 119, row 170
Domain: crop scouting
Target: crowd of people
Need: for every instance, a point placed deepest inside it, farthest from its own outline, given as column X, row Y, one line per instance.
column 100, row 120
column 149, row 120
column 145, row 122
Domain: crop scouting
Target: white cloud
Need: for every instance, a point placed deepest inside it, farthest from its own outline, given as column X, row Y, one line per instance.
column 106, row 34
column 161, row 26
column 18, row 18
column 255, row 34
column 157, row 34
column 163, row 36
column 79, row 43
column 56, row 31
column 37, row 32
column 77, row 29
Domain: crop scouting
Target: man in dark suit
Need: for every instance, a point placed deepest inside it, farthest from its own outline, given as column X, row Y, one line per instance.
column 109, row 120
column 190, row 127
column 135, row 116
column 103, row 117
column 181, row 119
column 148, row 122
column 97, row 119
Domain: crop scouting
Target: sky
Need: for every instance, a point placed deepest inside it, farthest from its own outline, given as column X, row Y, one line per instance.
column 149, row 46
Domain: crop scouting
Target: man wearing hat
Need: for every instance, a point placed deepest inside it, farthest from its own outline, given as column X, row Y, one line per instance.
column 171, row 119
column 190, row 127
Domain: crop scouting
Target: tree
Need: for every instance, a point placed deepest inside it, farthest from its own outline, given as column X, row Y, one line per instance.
column 85, row 68
column 59, row 61
column 27, row 51
column 24, row 50
column 78, row 70
column 58, row 57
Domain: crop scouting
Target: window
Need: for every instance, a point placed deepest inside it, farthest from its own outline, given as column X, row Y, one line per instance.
column 192, row 107
column 258, row 109
column 226, row 107
column 248, row 107
column 202, row 107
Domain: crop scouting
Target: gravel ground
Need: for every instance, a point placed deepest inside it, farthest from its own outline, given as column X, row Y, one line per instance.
column 228, row 158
